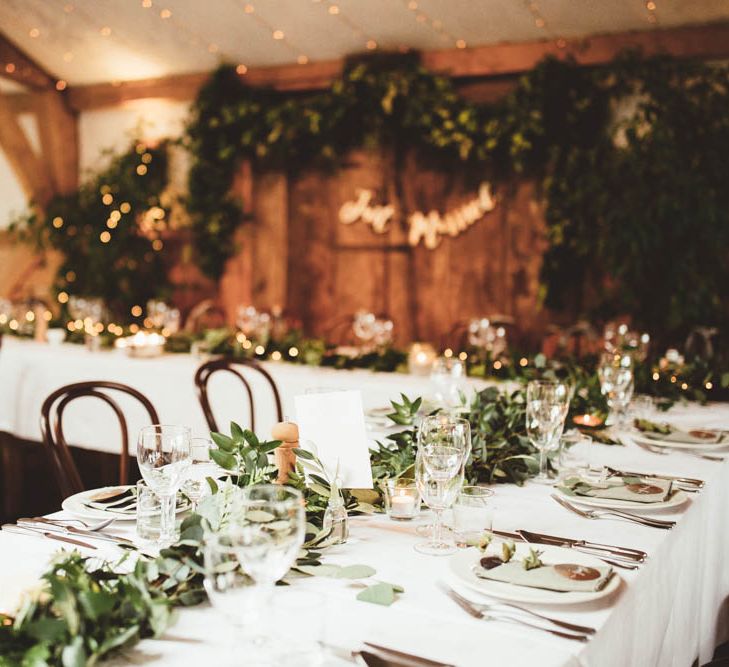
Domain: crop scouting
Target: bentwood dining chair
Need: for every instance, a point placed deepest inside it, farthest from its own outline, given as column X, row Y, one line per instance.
column 67, row 474
column 233, row 366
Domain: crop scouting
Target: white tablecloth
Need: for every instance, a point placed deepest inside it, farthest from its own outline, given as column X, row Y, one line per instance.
column 30, row 371
column 666, row 614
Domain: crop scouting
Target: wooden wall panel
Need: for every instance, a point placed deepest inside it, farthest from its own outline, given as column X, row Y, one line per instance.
column 295, row 253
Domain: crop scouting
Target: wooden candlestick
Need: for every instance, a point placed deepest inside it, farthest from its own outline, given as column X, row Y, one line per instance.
column 285, row 458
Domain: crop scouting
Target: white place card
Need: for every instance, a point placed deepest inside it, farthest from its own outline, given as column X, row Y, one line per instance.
column 332, row 426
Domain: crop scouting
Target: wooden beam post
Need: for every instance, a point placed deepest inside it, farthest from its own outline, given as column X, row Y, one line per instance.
column 28, row 167
column 59, row 140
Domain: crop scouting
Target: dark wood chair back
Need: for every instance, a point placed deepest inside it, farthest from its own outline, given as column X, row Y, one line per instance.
column 54, row 440
column 202, row 377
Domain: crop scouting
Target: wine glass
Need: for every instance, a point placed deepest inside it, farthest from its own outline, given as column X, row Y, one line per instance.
column 201, row 467
column 616, row 384
column 446, row 378
column 266, row 529
column 163, row 456
column 546, row 410
column 444, row 444
column 229, row 589
column 363, row 326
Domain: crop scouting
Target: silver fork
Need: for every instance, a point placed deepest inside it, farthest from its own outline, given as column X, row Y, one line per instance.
column 498, row 603
column 100, row 525
column 663, row 451
column 476, row 612
column 598, row 514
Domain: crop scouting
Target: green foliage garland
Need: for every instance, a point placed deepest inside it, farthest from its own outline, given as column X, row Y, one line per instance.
column 127, row 269
column 636, row 211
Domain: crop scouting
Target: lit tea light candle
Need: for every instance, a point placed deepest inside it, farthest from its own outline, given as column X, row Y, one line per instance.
column 590, row 421
column 402, row 506
column 142, row 344
column 402, row 499
column 421, row 358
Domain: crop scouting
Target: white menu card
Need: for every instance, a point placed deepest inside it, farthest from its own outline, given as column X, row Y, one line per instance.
column 332, row 426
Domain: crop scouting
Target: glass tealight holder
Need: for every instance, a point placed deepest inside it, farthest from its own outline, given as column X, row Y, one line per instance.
column 473, row 515
column 149, row 511
column 402, row 499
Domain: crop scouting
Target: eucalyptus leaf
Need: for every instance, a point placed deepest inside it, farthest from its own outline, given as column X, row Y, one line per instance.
column 355, row 572
column 381, row 593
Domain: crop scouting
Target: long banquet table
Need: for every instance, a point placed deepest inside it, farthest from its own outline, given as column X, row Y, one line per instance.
column 670, row 612
column 30, row 371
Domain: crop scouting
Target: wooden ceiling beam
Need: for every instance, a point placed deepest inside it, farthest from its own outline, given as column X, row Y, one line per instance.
column 18, row 66
column 709, row 41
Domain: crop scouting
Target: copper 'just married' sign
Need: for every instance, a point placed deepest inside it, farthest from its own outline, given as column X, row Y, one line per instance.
column 426, row 226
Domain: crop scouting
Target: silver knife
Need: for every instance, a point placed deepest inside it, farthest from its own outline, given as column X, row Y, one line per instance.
column 540, row 538
column 24, row 530
column 686, row 480
column 624, row 552
column 34, row 523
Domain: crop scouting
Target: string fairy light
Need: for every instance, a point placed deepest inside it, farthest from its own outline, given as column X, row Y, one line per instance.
column 436, row 25
column 541, row 23
column 276, row 33
column 651, row 7
column 334, row 10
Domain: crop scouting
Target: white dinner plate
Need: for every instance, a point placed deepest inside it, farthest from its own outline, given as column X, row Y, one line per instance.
column 700, row 446
column 461, row 567
column 75, row 505
column 678, row 498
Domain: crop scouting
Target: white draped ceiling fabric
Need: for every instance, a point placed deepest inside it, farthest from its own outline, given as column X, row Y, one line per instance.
column 94, row 41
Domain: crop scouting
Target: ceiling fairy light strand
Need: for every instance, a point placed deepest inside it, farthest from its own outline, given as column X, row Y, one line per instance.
column 276, row 33
column 335, row 10
column 650, row 6
column 166, row 15
column 541, row 23
column 436, row 25
column 533, row 9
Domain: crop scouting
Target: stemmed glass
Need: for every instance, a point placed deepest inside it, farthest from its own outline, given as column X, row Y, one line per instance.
column 444, row 444
column 546, row 411
column 163, row 456
column 267, row 530
column 228, row 587
column 446, row 378
column 616, row 383
column 201, row 467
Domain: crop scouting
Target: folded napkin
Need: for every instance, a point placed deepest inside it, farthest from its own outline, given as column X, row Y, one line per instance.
column 562, row 577
column 668, row 433
column 121, row 500
column 633, row 489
